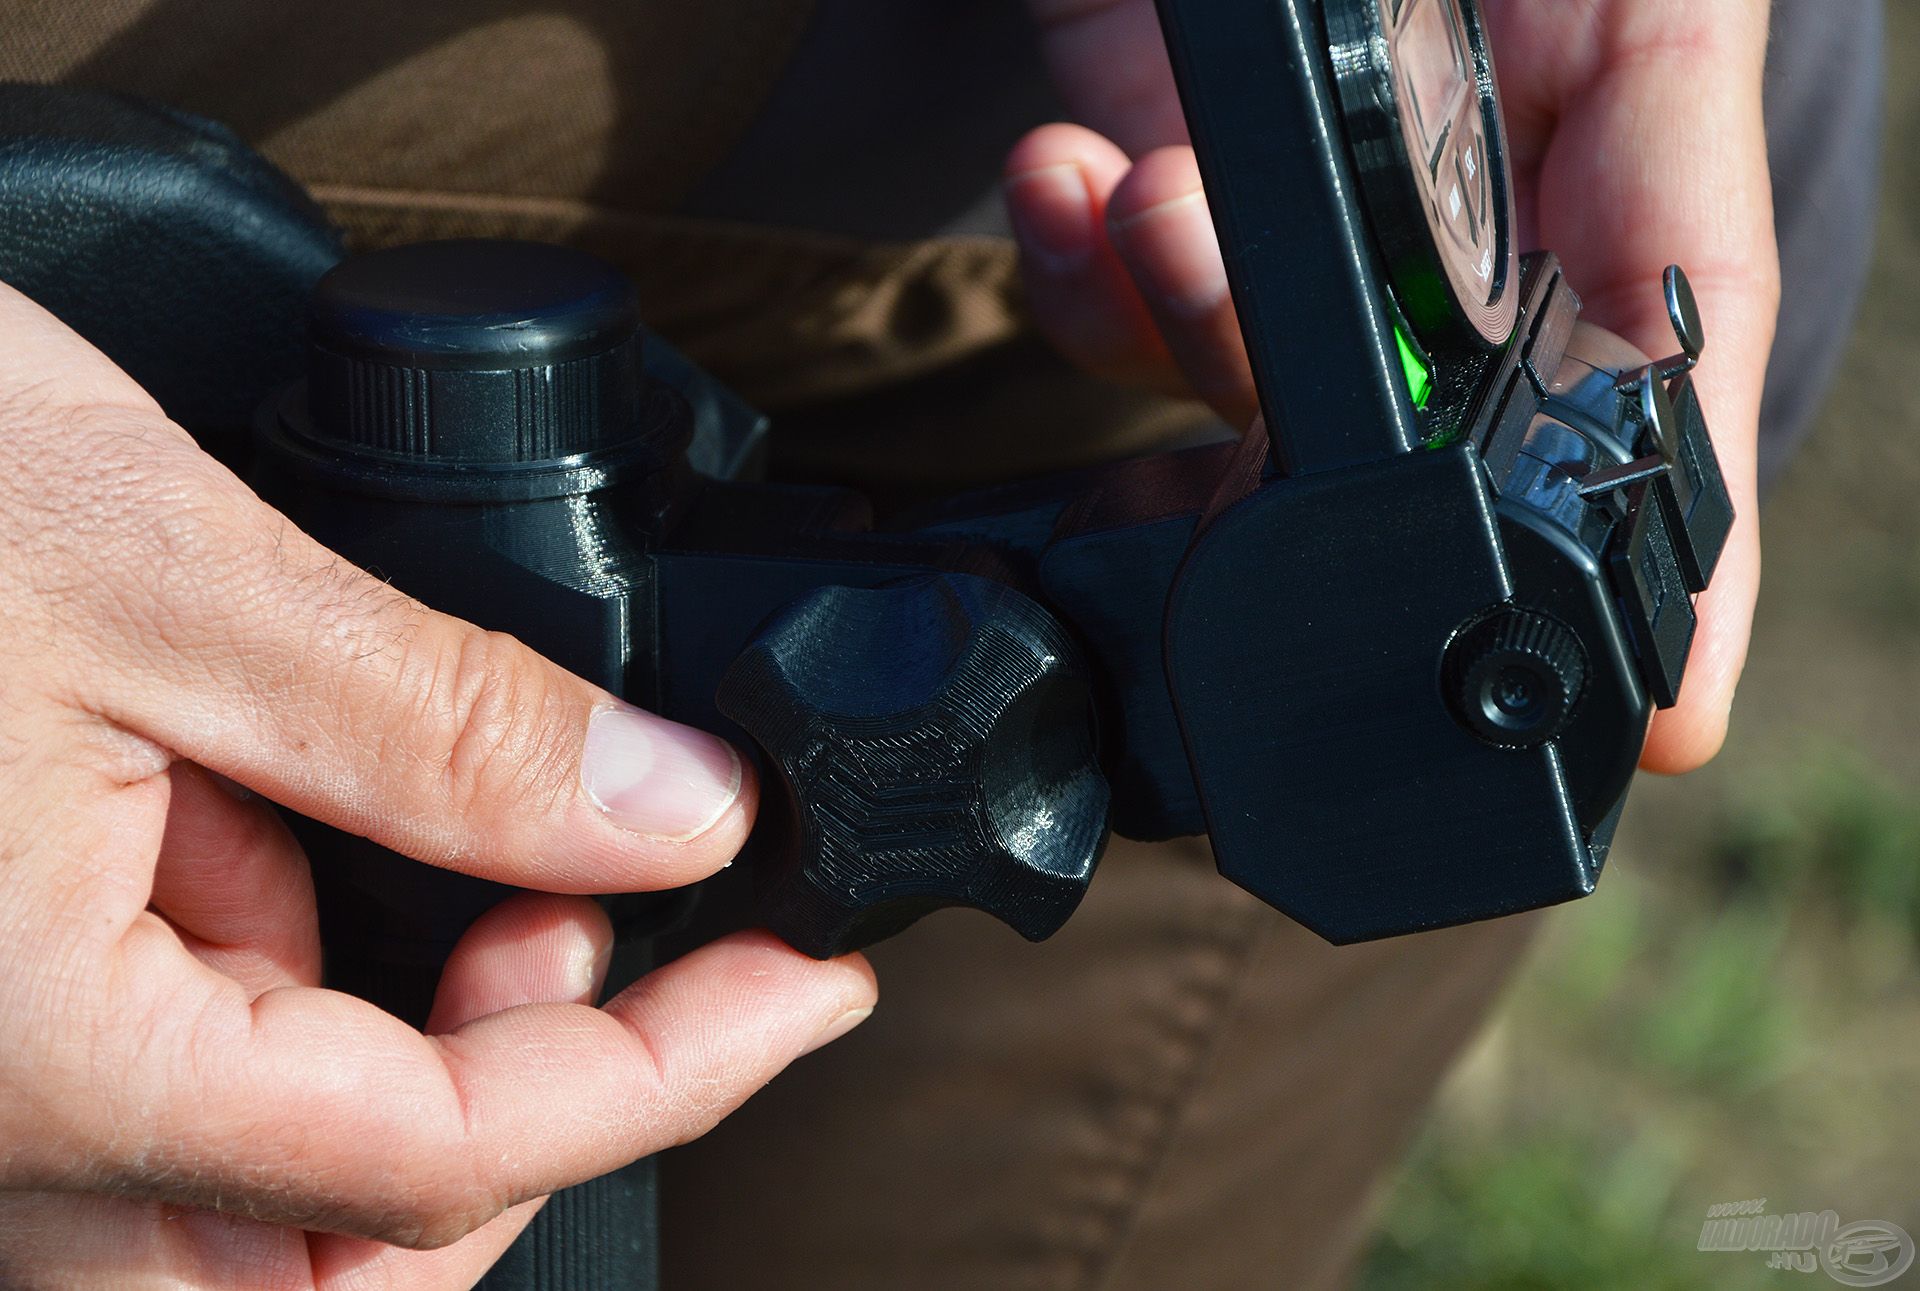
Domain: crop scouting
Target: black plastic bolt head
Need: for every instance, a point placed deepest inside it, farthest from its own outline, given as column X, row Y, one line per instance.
column 1515, row 677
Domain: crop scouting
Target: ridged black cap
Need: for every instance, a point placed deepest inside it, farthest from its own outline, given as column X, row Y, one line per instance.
column 475, row 352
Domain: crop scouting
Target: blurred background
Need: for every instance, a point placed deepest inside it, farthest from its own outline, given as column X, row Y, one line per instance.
column 1739, row 1016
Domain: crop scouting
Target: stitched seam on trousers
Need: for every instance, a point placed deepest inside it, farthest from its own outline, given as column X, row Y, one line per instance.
column 721, row 233
column 786, row 316
column 1219, row 969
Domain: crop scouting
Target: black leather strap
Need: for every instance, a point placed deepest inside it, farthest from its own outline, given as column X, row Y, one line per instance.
column 164, row 240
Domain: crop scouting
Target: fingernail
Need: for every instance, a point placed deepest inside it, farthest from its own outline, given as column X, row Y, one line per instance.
column 602, row 961
column 658, row 777
column 1176, row 255
column 838, row 1027
column 586, row 969
column 583, row 972
column 1052, row 214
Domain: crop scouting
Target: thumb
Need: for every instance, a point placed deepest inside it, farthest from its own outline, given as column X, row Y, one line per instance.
column 531, row 949
column 316, row 685
column 170, row 601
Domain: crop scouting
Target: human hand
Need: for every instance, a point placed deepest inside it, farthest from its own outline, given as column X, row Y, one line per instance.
column 1636, row 136
column 180, row 1103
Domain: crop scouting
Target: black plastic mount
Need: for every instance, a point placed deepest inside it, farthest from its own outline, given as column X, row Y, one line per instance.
column 1265, row 659
column 571, row 518
column 480, row 431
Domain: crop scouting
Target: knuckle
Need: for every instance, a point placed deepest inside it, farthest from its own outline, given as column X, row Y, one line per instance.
column 507, row 744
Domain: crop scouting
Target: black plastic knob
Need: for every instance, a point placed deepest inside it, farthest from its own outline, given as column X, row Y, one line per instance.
column 1515, row 677
column 475, row 352
column 930, row 743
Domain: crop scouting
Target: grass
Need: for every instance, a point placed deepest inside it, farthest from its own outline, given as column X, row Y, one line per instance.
column 1702, row 1033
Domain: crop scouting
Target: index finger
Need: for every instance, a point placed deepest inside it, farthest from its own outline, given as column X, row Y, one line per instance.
column 172, row 601
column 311, row 1108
